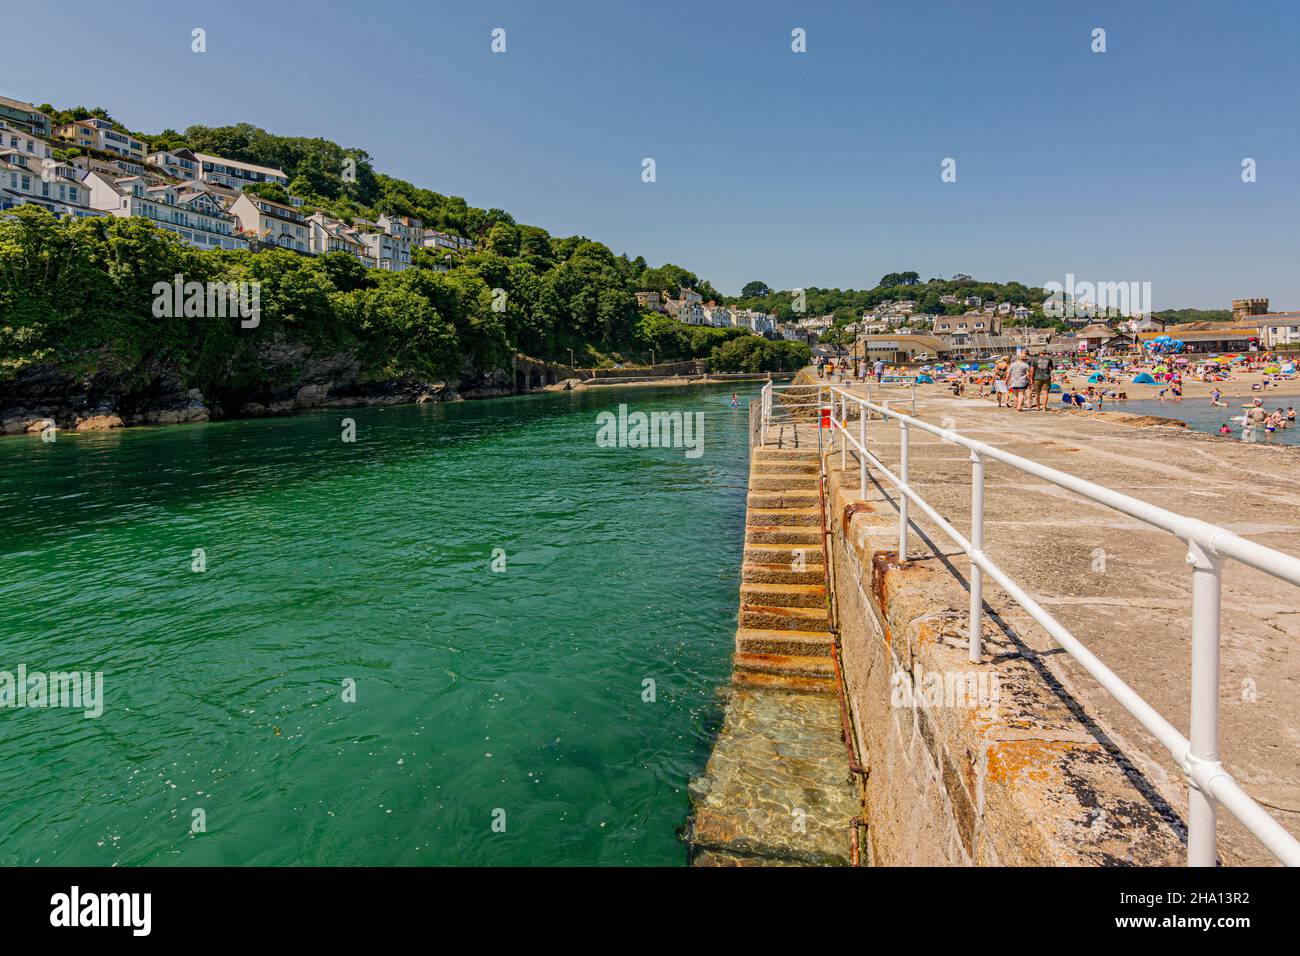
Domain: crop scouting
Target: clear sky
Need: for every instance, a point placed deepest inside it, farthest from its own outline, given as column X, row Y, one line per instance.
column 800, row 169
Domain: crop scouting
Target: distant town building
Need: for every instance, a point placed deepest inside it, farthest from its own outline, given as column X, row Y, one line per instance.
column 179, row 163
column 1278, row 329
column 649, row 300
column 187, row 210
column 19, row 138
column 969, row 322
column 271, row 222
column 444, row 240
column 55, row 187
column 236, row 173
column 719, row 316
column 25, row 116
column 1243, row 308
column 96, row 133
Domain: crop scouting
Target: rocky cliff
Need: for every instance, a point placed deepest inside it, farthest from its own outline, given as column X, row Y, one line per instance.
column 290, row 378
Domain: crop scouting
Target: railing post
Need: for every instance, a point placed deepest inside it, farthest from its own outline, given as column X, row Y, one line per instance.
column 902, row 496
column 817, row 409
column 844, row 433
column 1207, row 590
column 862, row 451
column 913, row 397
column 977, row 547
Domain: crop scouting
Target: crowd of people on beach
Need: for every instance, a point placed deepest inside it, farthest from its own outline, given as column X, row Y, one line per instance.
column 1024, row 382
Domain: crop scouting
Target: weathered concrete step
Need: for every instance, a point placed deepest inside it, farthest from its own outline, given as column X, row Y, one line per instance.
column 805, row 516
column 784, row 468
column 786, row 454
column 704, row 857
column 793, row 556
column 788, row 664
column 768, row 500
column 792, row 683
column 759, row 640
column 768, row 573
column 784, row 618
column 784, row 595
column 778, row 759
column 782, row 482
column 783, row 534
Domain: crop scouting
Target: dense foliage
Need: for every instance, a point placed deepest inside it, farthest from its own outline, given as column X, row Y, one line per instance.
column 80, row 294
column 847, row 304
column 1178, row 316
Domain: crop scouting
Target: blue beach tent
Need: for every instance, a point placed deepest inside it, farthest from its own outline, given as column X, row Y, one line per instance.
column 1096, row 377
column 924, row 380
column 1142, row 378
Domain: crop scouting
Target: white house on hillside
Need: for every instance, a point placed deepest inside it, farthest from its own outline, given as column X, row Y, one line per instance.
column 192, row 214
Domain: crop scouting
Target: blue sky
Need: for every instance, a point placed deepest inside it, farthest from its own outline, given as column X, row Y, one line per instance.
column 812, row 169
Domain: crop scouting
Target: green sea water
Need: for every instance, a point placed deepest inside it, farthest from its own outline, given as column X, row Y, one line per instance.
column 515, row 697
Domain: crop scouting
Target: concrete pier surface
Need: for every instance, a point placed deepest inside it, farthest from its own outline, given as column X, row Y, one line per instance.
column 1121, row 587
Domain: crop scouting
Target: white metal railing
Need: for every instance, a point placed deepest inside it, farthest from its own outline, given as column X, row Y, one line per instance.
column 1208, row 546
column 790, row 399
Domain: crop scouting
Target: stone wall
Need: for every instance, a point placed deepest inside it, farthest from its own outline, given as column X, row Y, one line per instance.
column 989, row 763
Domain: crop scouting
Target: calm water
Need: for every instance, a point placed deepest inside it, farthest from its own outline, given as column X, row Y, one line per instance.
column 1200, row 415
column 477, row 691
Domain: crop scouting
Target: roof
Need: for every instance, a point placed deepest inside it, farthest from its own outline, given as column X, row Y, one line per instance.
column 263, row 201
column 208, row 157
column 1278, row 318
column 19, row 105
column 1095, row 331
column 931, row 342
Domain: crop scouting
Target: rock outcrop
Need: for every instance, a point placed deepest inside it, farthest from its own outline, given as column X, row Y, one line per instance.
column 290, row 378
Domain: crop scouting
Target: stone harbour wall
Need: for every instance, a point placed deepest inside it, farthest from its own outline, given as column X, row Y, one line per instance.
column 989, row 763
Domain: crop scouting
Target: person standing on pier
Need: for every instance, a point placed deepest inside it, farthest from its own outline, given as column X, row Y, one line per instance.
column 1000, row 381
column 1018, row 379
column 1043, row 366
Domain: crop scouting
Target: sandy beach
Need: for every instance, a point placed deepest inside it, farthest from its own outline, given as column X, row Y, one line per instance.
column 1238, row 386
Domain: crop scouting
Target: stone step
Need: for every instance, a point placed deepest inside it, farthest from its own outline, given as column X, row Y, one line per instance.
column 762, row 640
column 782, row 482
column 788, row 498
column 784, row 595
column 767, row 573
column 705, row 857
column 784, row 468
column 786, row 454
column 791, row 683
column 784, row 534
column 805, row 516
column 788, row 664
column 793, row 556
column 784, row 618
column 776, row 751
